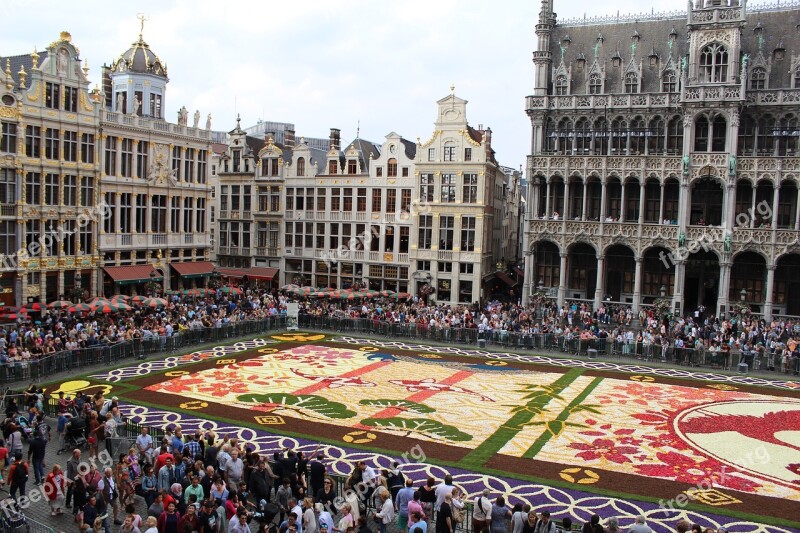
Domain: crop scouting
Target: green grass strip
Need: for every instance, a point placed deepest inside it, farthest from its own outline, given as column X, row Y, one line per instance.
column 553, row 428
column 538, row 397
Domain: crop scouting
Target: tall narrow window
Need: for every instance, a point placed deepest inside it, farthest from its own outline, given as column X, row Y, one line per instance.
column 70, row 190
column 376, row 200
column 8, row 140
column 70, row 145
column 675, row 136
column 125, row 212
column 701, row 134
column 87, row 148
column 561, row 85
column 361, row 206
column 448, row 188
column 71, row 99
column 33, row 141
column 142, row 149
column 188, row 165
column 52, row 95
column 87, row 191
column 669, row 82
column 426, row 187
column 425, row 232
column 595, row 84
column 301, row 166
column 155, row 105
column 718, row 134
column 52, row 143
column 33, row 188
column 469, row 193
column 391, row 168
column 51, row 190
column 126, row 161
column 449, row 152
column 468, row 234
column 758, row 78
column 176, row 162
column 352, row 166
column 446, row 228
column 631, row 83
column 713, row 64
column 333, row 166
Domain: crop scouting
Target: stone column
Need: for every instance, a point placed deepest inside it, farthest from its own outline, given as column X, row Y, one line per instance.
column 661, row 206
column 118, row 214
column 642, row 189
column 598, row 291
column 637, row 287
column 724, row 286
column 622, row 202
column 583, row 208
column 776, row 192
column 677, row 295
column 547, row 199
column 770, row 289
column 602, row 204
column 753, row 208
column 528, row 282
column 562, row 280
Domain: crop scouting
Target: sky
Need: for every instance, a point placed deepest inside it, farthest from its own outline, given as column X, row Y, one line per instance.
column 323, row 64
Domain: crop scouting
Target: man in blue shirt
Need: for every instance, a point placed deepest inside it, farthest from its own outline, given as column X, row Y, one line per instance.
column 405, row 495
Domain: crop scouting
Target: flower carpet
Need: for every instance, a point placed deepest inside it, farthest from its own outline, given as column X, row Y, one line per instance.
column 576, row 436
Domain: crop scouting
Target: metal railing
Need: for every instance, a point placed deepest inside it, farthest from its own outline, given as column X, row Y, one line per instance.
column 109, row 354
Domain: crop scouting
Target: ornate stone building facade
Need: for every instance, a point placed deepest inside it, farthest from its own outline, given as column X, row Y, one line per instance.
column 155, row 181
column 458, row 208
column 665, row 159
column 49, row 170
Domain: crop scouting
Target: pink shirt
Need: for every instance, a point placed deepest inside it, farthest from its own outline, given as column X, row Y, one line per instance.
column 414, row 505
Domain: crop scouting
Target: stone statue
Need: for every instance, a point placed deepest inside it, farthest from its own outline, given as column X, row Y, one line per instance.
column 684, row 64
column 137, row 105
column 196, row 118
column 120, row 103
column 732, row 165
column 686, row 165
column 681, row 239
column 61, row 63
column 745, row 60
column 208, row 122
column 727, row 243
column 183, row 116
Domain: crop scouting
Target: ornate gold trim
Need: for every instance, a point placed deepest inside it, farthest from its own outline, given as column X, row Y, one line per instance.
column 427, row 143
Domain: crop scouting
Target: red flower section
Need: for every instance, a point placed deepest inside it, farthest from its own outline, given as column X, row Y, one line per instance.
column 601, row 448
column 686, row 469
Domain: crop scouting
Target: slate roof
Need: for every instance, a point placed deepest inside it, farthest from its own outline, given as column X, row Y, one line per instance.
column 17, row 62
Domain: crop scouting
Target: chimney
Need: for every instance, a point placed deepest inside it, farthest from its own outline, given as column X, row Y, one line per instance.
column 487, row 138
column 288, row 139
column 335, row 140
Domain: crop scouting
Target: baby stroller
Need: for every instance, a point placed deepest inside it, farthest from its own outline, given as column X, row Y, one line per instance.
column 74, row 435
column 12, row 520
column 266, row 512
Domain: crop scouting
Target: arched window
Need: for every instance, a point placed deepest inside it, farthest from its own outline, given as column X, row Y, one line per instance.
column 675, row 136
column 747, row 135
column 637, row 135
column 561, row 85
column 787, row 135
column 669, row 82
column 391, row 168
column 758, row 78
column 583, row 135
column 565, row 135
column 619, row 136
column 631, row 83
column 301, row 166
column 719, row 132
column 765, row 141
column 713, row 64
column 655, row 136
column 550, row 136
column 701, row 127
column 596, row 84
column 601, row 136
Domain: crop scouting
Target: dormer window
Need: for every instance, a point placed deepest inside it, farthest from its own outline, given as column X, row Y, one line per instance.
column 631, row 83
column 333, row 167
column 669, row 82
column 758, row 78
column 561, row 85
column 237, row 160
column 301, row 166
column 714, row 64
column 352, row 166
column 595, row 84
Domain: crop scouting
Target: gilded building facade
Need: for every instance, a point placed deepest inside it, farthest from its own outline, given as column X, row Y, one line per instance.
column 154, row 180
column 49, row 172
column 665, row 159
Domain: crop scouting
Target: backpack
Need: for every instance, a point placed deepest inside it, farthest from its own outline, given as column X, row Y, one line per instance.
column 20, row 474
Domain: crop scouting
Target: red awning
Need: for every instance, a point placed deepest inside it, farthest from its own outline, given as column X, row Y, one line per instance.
column 251, row 273
column 502, row 276
column 519, row 272
column 124, row 275
column 196, row 269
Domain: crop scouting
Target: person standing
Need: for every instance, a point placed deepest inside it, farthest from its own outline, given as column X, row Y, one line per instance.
column 55, row 487
column 481, row 512
column 108, row 488
column 404, row 495
column 309, row 516
column 73, row 467
column 18, row 476
column 317, row 474
column 444, row 516
column 386, row 514
column 36, row 451
column 144, row 444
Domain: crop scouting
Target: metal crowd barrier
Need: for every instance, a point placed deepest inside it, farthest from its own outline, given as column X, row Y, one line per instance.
column 108, row 354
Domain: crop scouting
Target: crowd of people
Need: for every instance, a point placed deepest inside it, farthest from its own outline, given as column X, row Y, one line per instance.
column 207, row 483
column 775, row 344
